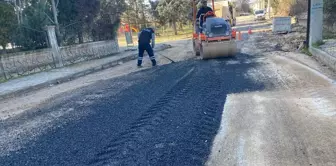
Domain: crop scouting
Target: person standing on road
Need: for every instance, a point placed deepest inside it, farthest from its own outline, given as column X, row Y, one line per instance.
column 144, row 44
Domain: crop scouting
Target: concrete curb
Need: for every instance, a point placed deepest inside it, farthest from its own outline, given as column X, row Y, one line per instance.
column 67, row 78
column 324, row 57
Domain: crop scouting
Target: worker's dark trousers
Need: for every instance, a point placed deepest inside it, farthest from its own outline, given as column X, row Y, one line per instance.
column 146, row 47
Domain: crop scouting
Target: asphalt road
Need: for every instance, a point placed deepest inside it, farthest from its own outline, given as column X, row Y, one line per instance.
column 167, row 116
column 252, row 109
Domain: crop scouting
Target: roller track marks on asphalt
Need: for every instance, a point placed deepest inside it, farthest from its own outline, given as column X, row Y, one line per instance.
column 124, row 148
column 204, row 130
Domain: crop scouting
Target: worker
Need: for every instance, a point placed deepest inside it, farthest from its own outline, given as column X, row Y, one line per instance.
column 202, row 11
column 146, row 37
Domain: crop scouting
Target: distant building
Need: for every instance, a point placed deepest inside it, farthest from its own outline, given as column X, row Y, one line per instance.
column 258, row 5
column 221, row 2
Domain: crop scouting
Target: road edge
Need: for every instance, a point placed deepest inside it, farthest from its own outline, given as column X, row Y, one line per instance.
column 324, row 57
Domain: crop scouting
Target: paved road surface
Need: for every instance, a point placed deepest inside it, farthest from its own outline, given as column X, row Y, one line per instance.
column 251, row 109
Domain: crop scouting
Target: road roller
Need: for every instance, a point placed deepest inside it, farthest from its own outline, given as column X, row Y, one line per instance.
column 213, row 39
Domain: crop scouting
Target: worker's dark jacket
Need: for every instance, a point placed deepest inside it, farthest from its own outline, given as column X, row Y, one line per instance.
column 203, row 10
column 145, row 36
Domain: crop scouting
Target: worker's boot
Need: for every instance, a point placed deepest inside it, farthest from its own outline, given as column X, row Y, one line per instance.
column 139, row 62
column 153, row 62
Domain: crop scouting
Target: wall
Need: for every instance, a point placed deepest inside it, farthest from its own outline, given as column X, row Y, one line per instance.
column 87, row 51
column 24, row 63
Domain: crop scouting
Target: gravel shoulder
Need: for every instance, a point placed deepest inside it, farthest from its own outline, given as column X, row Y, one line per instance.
column 291, row 122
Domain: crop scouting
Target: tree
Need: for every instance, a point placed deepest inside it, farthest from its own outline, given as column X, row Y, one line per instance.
column 67, row 17
column 155, row 14
column 136, row 13
column 299, row 7
column 7, row 24
column 174, row 11
column 76, row 19
column 79, row 20
column 287, row 7
column 82, row 20
column 242, row 5
column 108, row 21
column 87, row 11
column 329, row 12
column 31, row 33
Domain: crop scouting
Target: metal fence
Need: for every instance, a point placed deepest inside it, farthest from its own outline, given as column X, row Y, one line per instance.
column 76, row 33
column 47, row 54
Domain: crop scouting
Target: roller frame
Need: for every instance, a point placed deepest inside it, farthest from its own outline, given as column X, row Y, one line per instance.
column 199, row 43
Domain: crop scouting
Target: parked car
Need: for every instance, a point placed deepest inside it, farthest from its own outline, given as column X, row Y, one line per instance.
column 244, row 14
column 259, row 15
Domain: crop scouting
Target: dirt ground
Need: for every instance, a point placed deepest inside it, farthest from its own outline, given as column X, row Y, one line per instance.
column 289, row 42
column 291, row 122
column 290, row 45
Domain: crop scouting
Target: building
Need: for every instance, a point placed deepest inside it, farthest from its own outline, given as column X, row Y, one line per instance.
column 258, row 5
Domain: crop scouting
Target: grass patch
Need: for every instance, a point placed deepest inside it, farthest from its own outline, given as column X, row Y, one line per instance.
column 2, row 80
column 306, row 51
column 318, row 43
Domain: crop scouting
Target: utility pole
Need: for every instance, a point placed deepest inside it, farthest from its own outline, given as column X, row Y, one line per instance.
column 137, row 14
column 308, row 23
column 58, row 33
column 269, row 9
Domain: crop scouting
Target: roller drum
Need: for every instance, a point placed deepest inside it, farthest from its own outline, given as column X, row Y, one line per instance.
column 218, row 49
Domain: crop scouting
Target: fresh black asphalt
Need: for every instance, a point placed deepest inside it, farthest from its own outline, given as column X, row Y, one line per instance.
column 166, row 115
